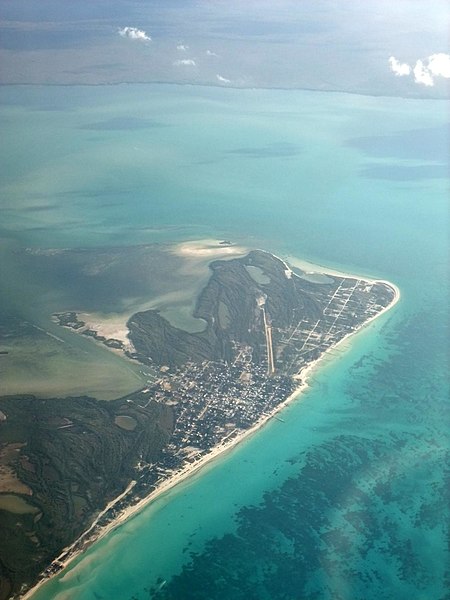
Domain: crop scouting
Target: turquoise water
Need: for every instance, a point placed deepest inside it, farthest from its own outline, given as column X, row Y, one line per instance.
column 346, row 498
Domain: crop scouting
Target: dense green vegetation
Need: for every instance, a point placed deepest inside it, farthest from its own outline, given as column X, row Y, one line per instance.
column 73, row 458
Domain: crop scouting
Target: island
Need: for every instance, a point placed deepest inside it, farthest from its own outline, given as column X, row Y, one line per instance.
column 71, row 469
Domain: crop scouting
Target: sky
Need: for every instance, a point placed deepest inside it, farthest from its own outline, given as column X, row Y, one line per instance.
column 373, row 47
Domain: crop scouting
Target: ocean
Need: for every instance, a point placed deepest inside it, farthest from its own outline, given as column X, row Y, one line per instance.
column 347, row 497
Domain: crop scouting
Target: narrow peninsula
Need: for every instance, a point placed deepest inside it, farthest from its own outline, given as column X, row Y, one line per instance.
column 74, row 468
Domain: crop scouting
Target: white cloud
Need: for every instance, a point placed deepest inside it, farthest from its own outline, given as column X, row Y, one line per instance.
column 439, row 65
column 425, row 71
column 422, row 74
column 187, row 62
column 223, row 79
column 133, row 33
column 182, row 47
column 211, row 53
column 400, row 69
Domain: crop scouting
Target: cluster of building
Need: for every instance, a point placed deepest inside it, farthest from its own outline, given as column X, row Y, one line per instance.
column 214, row 402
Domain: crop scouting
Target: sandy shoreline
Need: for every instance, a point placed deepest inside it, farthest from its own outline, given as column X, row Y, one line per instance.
column 224, row 447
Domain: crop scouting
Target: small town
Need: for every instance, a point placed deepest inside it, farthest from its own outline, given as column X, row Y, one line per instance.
column 214, row 402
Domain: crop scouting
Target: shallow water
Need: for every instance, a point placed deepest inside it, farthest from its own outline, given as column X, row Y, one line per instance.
column 346, row 498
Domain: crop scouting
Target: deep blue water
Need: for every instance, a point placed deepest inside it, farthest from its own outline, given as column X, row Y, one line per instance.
column 347, row 498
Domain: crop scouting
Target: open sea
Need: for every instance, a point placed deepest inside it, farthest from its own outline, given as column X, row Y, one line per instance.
column 347, row 499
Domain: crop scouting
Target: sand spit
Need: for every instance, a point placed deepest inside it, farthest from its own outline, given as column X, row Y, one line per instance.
column 108, row 326
column 208, row 248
